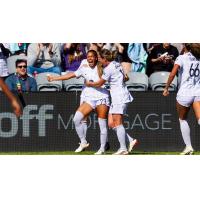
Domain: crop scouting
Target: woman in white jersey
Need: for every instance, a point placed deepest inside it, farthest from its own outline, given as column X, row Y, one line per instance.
column 120, row 97
column 91, row 99
column 188, row 94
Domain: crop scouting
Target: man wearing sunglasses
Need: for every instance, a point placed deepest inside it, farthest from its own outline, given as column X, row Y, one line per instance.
column 21, row 81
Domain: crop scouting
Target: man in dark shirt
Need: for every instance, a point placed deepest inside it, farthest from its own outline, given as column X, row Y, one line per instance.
column 21, row 81
column 161, row 58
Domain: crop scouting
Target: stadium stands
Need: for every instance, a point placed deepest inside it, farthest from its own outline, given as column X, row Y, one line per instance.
column 44, row 85
column 158, row 80
column 137, row 81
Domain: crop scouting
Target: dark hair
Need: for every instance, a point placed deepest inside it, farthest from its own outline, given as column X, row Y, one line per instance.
column 93, row 52
column 108, row 55
column 20, row 61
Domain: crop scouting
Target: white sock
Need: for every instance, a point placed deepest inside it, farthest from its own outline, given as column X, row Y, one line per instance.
column 129, row 138
column 199, row 121
column 79, row 128
column 185, row 130
column 121, row 135
column 103, row 132
column 84, row 126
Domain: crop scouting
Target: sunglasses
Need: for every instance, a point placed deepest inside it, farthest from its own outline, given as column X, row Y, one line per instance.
column 20, row 66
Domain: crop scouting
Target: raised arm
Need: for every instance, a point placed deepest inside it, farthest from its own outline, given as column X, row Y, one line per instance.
column 60, row 78
column 14, row 103
column 170, row 79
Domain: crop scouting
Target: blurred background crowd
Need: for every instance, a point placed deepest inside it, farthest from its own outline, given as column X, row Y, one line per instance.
column 58, row 58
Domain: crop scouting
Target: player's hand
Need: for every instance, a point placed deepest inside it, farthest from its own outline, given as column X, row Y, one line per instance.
column 50, row 78
column 16, row 108
column 165, row 92
column 88, row 83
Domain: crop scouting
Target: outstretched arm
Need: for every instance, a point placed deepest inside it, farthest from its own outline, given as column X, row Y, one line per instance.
column 170, row 79
column 60, row 78
column 99, row 83
column 14, row 103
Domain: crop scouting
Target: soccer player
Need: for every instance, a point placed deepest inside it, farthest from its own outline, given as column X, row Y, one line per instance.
column 15, row 105
column 120, row 97
column 188, row 66
column 91, row 99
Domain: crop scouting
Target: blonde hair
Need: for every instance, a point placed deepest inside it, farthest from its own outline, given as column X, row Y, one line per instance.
column 195, row 50
column 108, row 55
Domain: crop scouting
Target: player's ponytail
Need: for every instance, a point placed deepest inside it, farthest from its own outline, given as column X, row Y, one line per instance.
column 195, row 50
column 100, row 69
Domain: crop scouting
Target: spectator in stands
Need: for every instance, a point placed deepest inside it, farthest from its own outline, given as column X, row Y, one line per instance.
column 4, row 54
column 138, row 56
column 73, row 54
column 18, row 48
column 122, row 56
column 161, row 58
column 21, row 81
column 44, row 57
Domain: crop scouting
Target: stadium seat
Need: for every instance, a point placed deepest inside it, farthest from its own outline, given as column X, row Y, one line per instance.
column 137, row 81
column 11, row 62
column 44, row 85
column 158, row 80
column 74, row 84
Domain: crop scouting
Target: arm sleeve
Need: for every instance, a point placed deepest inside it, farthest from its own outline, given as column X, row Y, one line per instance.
column 8, row 82
column 106, row 74
column 33, row 85
column 179, row 61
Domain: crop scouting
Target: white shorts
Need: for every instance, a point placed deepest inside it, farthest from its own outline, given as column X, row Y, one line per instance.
column 95, row 103
column 187, row 101
column 118, row 108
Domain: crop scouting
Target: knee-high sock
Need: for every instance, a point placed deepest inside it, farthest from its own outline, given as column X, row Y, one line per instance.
column 121, row 135
column 78, row 117
column 129, row 138
column 84, row 125
column 103, row 132
column 185, row 130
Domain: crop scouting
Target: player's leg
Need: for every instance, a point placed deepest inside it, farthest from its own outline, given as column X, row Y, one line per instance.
column 83, row 111
column 84, row 121
column 196, row 108
column 121, row 134
column 102, row 112
column 185, row 129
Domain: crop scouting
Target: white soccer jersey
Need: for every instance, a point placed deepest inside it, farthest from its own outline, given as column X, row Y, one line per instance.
column 91, row 74
column 189, row 74
column 114, row 74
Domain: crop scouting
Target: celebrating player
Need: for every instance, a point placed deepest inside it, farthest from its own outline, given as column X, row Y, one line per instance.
column 91, row 99
column 15, row 105
column 113, row 73
column 188, row 94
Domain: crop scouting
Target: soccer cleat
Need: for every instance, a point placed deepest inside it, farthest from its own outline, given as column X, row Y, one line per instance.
column 99, row 152
column 121, row 152
column 187, row 151
column 107, row 146
column 132, row 144
column 81, row 148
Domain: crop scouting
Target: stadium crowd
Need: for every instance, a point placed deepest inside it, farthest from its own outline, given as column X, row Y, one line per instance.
column 145, row 58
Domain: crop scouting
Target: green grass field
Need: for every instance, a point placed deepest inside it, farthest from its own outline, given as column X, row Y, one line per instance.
column 90, row 153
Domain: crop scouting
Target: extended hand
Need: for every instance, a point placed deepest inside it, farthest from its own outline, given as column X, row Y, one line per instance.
column 165, row 92
column 16, row 108
column 49, row 78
